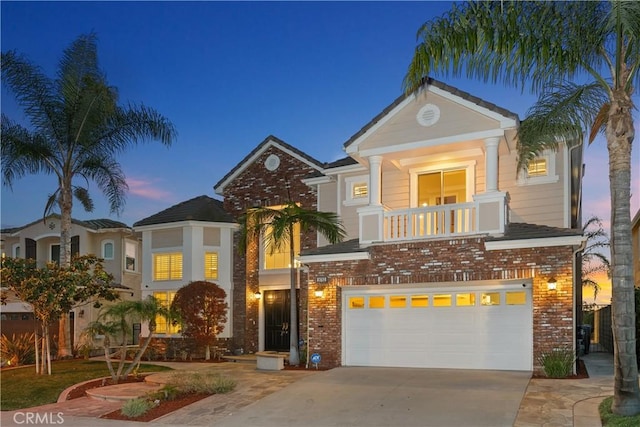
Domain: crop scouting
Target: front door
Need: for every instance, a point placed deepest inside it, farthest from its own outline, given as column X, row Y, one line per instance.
column 277, row 314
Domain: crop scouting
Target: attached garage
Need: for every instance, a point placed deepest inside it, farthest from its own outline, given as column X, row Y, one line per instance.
column 475, row 326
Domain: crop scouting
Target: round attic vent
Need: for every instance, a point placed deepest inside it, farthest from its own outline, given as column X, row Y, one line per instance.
column 428, row 115
column 272, row 162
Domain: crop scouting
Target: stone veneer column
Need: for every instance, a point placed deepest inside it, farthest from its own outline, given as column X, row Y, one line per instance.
column 491, row 163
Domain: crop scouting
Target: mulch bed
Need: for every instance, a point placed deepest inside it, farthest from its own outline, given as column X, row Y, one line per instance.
column 165, row 407
column 80, row 390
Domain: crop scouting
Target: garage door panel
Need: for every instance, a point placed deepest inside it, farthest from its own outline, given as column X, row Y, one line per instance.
column 470, row 335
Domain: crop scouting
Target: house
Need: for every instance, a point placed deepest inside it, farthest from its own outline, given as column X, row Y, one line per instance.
column 113, row 241
column 454, row 258
column 188, row 242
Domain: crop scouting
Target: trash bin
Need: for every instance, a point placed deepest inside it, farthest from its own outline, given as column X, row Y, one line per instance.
column 586, row 337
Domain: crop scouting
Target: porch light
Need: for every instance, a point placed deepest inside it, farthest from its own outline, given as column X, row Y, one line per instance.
column 258, row 295
column 319, row 292
column 552, row 284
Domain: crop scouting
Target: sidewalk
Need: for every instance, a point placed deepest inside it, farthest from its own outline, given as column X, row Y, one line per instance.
column 568, row 403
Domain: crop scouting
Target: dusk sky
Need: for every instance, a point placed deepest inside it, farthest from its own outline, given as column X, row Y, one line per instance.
column 228, row 74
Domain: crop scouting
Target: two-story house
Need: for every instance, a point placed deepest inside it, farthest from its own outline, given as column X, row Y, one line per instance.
column 113, row 241
column 454, row 258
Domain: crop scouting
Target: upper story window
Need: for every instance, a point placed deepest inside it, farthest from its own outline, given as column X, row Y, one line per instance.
column 443, row 184
column 16, row 251
column 276, row 257
column 357, row 190
column 107, row 249
column 211, row 265
column 541, row 170
column 130, row 256
column 167, row 266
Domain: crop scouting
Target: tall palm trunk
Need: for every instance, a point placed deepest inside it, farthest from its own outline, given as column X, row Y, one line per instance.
column 294, row 358
column 620, row 134
column 66, row 205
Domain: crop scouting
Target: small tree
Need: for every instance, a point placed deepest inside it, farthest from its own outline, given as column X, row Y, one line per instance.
column 54, row 290
column 116, row 322
column 593, row 260
column 201, row 306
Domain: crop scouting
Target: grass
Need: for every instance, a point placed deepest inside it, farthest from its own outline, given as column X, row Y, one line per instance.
column 22, row 388
column 611, row 420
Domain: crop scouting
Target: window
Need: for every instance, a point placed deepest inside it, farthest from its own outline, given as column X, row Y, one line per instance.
column 516, row 298
column 419, row 300
column 376, row 302
column 163, row 325
column 54, row 254
column 130, row 256
column 442, row 300
column 397, row 301
column 167, row 266
column 490, row 298
column 278, row 257
column 442, row 188
column 107, row 249
column 357, row 190
column 211, row 265
column 541, row 170
column 356, row 302
column 465, row 300
column 16, row 251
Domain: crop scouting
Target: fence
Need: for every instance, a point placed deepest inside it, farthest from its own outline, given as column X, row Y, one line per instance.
column 599, row 318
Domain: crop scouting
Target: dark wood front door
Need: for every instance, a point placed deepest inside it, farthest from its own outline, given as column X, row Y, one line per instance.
column 277, row 314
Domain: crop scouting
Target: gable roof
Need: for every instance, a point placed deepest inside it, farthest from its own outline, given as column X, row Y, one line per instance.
column 270, row 141
column 442, row 86
column 201, row 208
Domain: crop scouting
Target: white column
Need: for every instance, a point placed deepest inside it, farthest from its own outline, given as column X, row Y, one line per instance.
column 491, row 163
column 375, row 180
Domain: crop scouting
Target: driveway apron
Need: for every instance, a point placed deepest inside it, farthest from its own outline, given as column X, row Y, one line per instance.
column 358, row 396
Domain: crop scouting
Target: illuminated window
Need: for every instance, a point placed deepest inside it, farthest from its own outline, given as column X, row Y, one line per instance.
column 397, row 301
column 164, row 325
column 490, row 298
column 376, row 302
column 516, row 298
column 442, row 300
column 465, row 300
column 538, row 167
column 211, row 265
column 276, row 257
column 356, row 302
column 130, row 256
column 356, row 190
column 419, row 301
column 540, row 170
column 107, row 249
column 167, row 266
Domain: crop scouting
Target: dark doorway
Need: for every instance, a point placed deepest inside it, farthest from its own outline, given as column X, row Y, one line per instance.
column 277, row 314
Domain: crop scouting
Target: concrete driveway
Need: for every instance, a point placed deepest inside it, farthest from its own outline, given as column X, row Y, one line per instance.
column 352, row 396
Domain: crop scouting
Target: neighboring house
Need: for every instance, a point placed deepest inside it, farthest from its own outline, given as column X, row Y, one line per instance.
column 635, row 237
column 453, row 258
column 190, row 241
column 113, row 241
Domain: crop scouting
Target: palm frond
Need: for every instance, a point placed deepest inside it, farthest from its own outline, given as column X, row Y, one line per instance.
column 108, row 175
column 82, row 195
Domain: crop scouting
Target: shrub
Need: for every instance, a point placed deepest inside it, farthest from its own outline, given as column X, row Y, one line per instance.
column 136, row 407
column 558, row 363
column 18, row 350
column 202, row 382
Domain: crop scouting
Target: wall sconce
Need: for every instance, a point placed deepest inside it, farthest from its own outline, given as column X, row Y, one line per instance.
column 552, row 284
column 258, row 295
column 319, row 292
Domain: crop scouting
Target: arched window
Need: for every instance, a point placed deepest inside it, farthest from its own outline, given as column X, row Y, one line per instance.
column 107, row 249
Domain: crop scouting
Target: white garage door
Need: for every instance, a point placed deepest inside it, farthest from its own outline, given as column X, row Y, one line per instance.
column 463, row 328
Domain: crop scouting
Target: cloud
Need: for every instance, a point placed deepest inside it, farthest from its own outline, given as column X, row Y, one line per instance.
column 148, row 189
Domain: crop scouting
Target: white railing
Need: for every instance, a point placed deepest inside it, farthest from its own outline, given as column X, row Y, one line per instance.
column 431, row 221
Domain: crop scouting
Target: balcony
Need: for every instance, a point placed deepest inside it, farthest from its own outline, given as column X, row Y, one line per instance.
column 487, row 214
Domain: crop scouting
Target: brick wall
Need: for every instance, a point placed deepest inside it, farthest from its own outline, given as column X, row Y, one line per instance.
column 447, row 261
column 256, row 186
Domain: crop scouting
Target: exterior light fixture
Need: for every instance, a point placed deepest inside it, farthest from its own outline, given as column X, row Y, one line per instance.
column 552, row 284
column 319, row 292
column 258, row 295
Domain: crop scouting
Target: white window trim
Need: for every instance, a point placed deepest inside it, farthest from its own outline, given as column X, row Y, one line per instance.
column 350, row 182
column 468, row 166
column 51, row 250
column 550, row 178
column 136, row 258
column 113, row 249
column 166, row 251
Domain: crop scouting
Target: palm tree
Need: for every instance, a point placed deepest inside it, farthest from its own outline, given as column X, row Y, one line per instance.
column 276, row 227
column 547, row 46
column 593, row 260
column 76, row 131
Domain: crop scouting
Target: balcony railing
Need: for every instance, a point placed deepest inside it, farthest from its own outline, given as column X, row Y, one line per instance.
column 431, row 221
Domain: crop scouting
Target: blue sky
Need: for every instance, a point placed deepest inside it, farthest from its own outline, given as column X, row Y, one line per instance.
column 228, row 74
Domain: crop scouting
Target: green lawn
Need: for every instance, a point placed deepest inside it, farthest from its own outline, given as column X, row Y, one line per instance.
column 611, row 420
column 22, row 388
